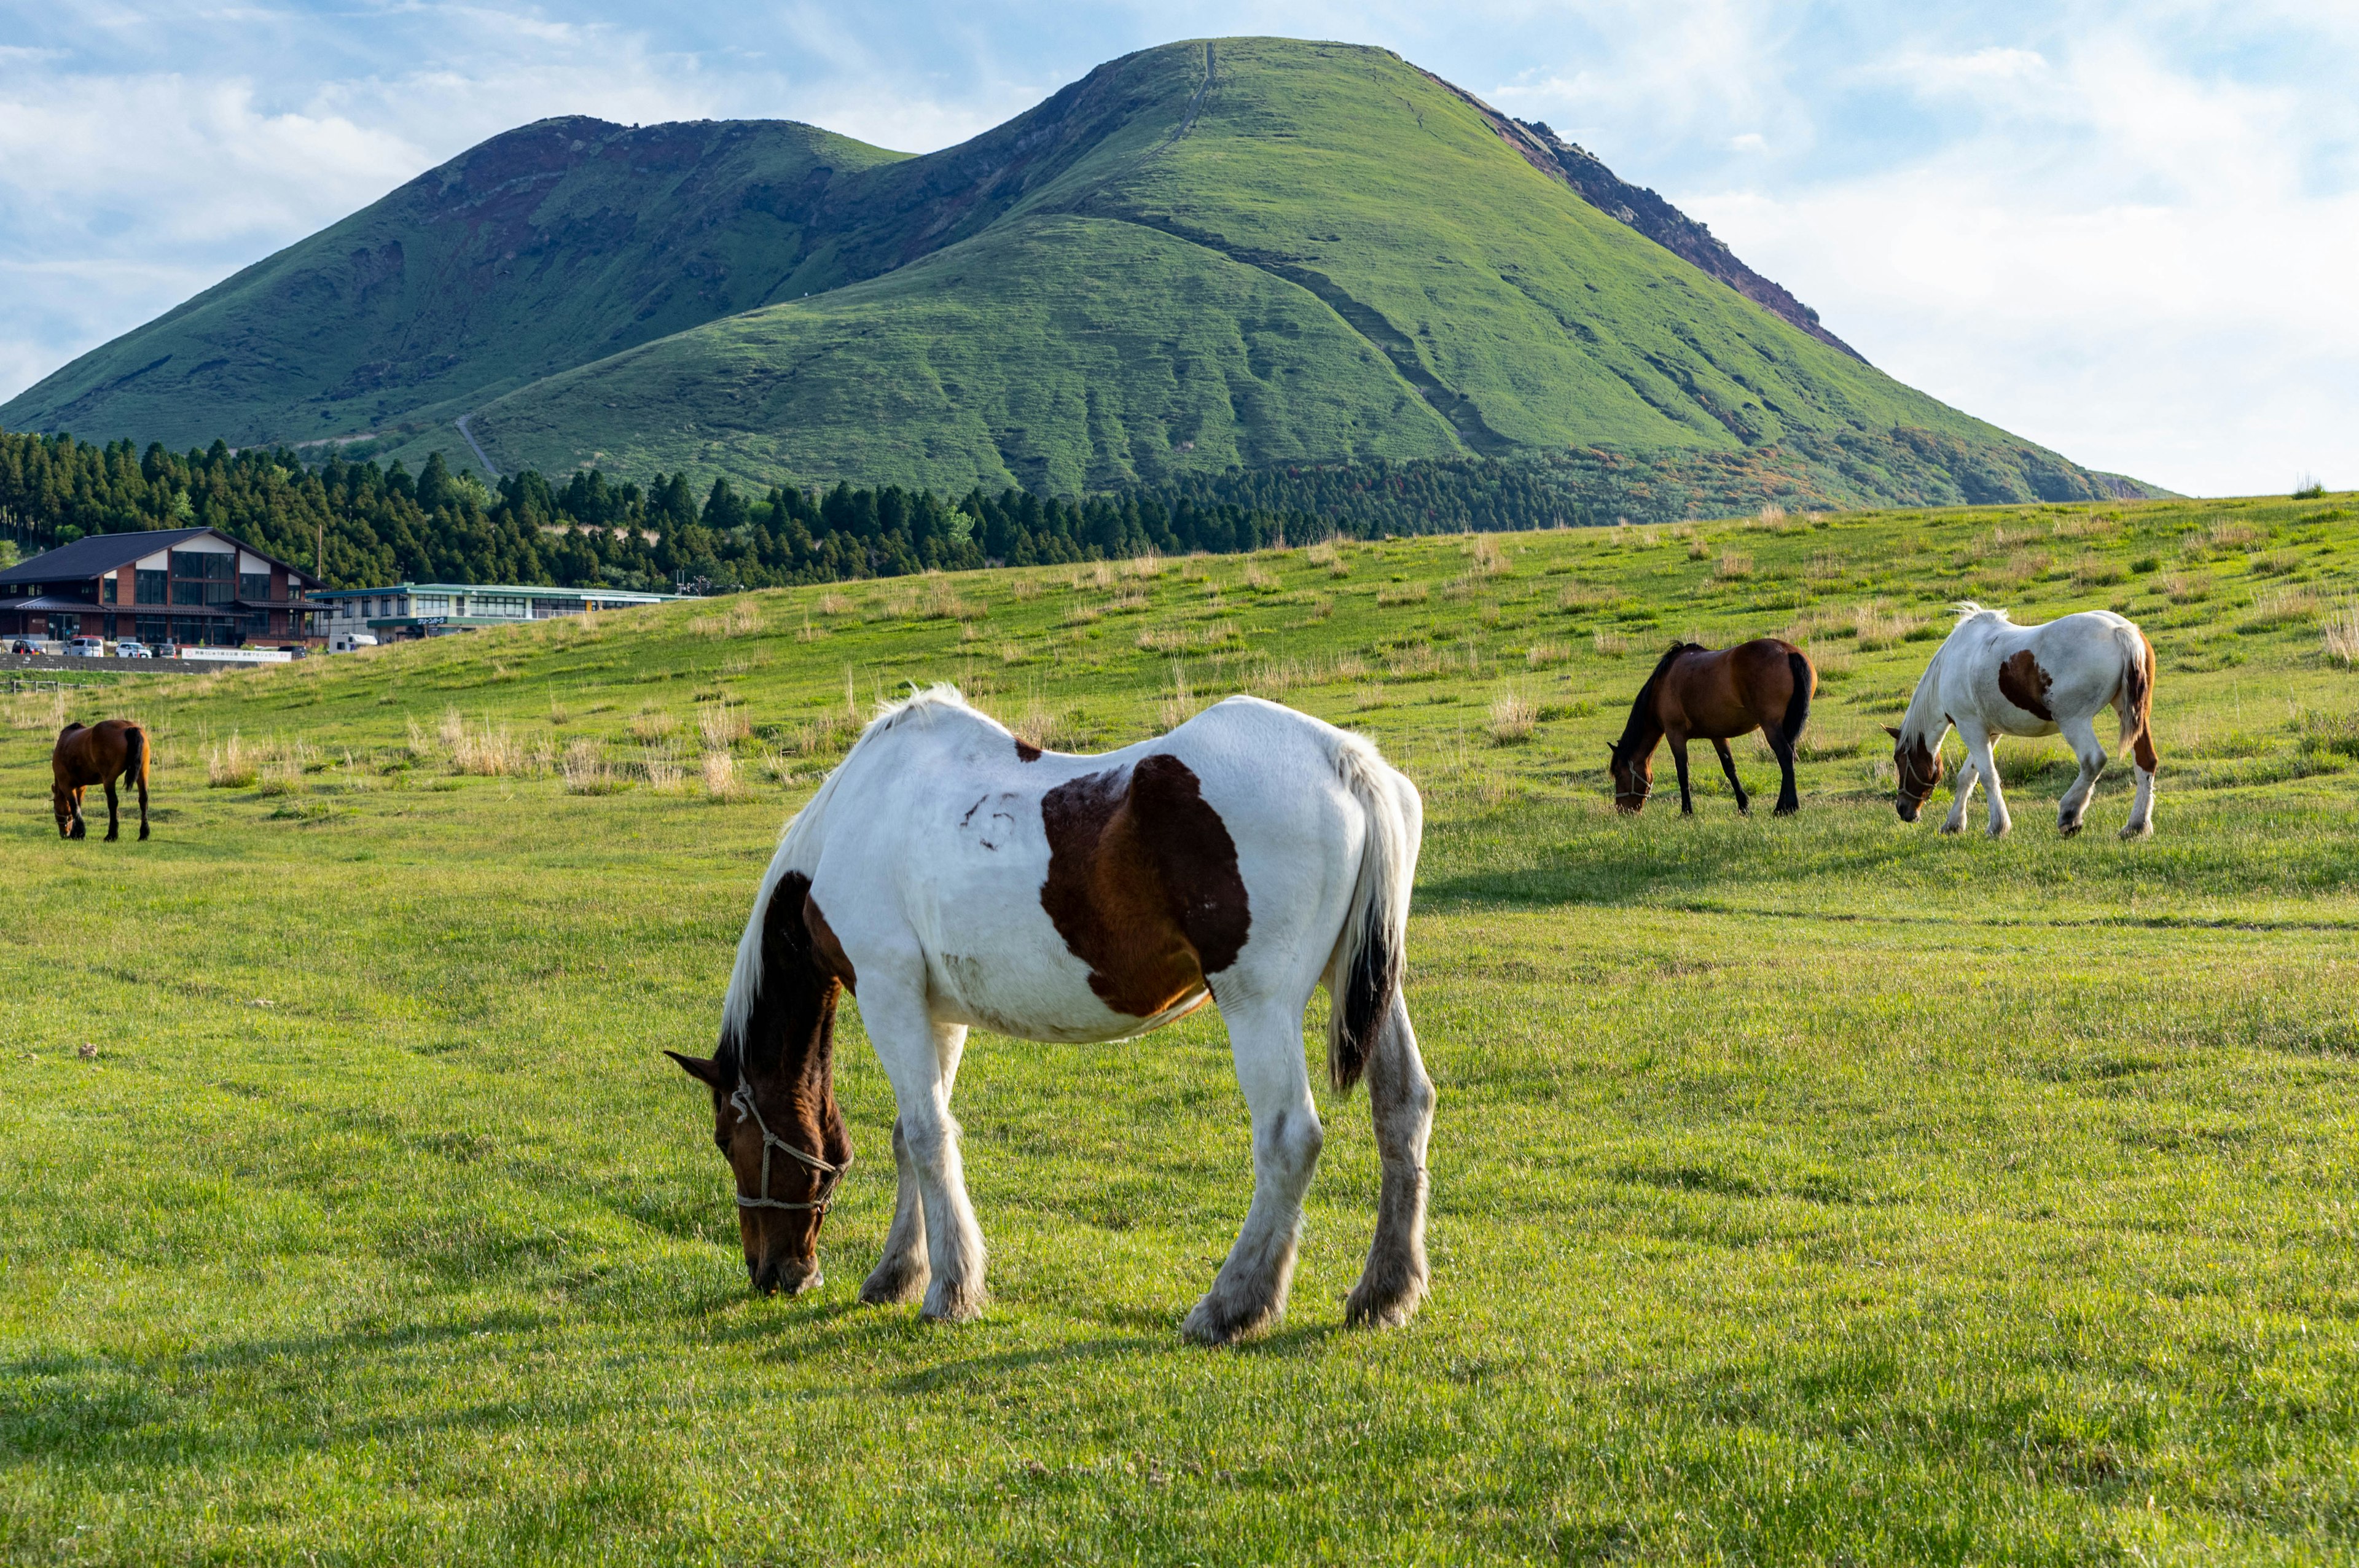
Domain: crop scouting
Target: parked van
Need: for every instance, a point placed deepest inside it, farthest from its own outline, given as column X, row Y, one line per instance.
column 85, row 647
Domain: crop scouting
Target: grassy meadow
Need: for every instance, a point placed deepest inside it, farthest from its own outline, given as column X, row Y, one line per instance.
column 1820, row 1190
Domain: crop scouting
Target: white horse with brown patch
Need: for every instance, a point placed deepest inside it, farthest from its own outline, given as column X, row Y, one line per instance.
column 1991, row 678
column 951, row 876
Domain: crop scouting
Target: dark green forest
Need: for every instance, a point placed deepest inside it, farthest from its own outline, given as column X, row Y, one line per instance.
column 364, row 525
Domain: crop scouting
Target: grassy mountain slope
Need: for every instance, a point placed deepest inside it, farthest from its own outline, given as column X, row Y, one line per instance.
column 1470, row 303
column 561, row 240
column 1210, row 256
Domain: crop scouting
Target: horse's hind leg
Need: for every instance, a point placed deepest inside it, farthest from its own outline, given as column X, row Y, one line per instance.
column 114, row 826
column 2082, row 736
column 1789, row 800
column 1249, row 1292
column 142, row 801
column 1728, row 766
column 1401, row 1096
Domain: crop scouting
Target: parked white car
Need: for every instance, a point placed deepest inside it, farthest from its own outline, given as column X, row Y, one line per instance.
column 128, row 649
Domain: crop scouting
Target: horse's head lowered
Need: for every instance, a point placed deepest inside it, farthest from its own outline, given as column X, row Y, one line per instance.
column 788, row 1156
column 1918, row 767
column 1634, row 777
column 773, row 1081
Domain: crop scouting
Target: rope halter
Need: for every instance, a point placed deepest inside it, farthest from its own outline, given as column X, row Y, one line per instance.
column 828, row 1175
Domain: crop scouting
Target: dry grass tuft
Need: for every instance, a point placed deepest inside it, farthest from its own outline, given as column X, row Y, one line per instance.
column 721, row 780
column 723, row 724
column 1514, row 717
column 1146, row 568
column 1179, row 705
column 659, row 761
column 1541, row 656
column 741, row 618
column 1403, row 594
column 1257, row 580
column 1611, row 645
column 1025, row 587
column 1484, row 558
column 2341, row 629
column 652, row 724
column 1733, row 565
column 1879, row 627
column 1771, row 515
column 490, row 752
column 585, row 770
column 233, row 764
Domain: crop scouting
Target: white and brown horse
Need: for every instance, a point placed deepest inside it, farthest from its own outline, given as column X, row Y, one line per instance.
column 1992, row 678
column 951, row 875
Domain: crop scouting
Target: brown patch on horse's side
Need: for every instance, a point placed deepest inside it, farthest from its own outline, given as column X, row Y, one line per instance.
column 1026, row 752
column 2023, row 683
column 1142, row 884
column 826, row 948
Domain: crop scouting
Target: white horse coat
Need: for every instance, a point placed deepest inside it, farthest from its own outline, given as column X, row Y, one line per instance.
column 1992, row 678
column 952, row 876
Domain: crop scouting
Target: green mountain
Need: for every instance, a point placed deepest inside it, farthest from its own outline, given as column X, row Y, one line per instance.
column 1245, row 254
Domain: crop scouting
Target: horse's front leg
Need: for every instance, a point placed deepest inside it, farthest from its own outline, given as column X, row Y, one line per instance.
column 1728, row 766
column 1249, row 1293
column 1967, row 776
column 910, row 1045
column 1679, row 761
column 81, row 827
column 902, row 1270
column 2082, row 735
column 1978, row 748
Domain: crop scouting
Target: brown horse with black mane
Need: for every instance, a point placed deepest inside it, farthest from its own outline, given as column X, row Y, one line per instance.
column 88, row 754
column 1763, row 685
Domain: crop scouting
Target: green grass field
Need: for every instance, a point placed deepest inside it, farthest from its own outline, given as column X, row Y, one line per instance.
column 1818, row 1190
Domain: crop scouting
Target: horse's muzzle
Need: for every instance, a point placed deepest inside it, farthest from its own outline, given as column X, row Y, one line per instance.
column 1907, row 809
column 792, row 1277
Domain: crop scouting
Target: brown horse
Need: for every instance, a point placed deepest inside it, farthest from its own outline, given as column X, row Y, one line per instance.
column 85, row 755
column 1763, row 685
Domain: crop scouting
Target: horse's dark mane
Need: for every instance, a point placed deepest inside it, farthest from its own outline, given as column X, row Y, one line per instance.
column 1642, row 707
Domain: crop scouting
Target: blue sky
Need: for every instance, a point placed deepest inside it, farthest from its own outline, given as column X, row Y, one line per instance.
column 2126, row 231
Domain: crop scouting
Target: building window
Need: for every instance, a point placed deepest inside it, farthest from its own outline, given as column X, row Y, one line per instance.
column 150, row 588
column 106, row 588
column 155, row 628
column 254, row 585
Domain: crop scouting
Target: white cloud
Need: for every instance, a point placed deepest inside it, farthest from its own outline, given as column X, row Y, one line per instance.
column 2124, row 265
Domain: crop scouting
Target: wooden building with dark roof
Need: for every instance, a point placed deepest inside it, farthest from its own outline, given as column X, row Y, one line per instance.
column 193, row 586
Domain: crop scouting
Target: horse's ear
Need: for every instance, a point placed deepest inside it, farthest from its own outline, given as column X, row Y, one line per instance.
column 704, row 1068
column 1888, row 729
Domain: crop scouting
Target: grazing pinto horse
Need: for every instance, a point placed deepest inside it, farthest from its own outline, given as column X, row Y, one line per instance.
column 1763, row 685
column 85, row 755
column 951, row 875
column 1992, row 678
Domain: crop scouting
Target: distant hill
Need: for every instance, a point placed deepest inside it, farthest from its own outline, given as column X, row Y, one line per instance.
column 1248, row 254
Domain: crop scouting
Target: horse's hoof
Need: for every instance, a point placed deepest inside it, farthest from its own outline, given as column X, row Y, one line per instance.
column 1388, row 1304
column 892, row 1283
column 2002, row 830
column 1214, row 1322
column 1951, row 828
column 2068, row 828
column 1786, row 809
column 2138, row 830
column 952, row 1306
column 143, row 834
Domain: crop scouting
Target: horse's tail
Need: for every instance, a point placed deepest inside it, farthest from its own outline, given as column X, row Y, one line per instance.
column 1797, row 707
column 2135, row 704
column 1365, row 974
column 135, row 755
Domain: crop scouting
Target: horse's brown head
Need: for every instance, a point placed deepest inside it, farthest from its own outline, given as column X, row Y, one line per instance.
column 787, row 1150
column 1634, row 779
column 1918, row 767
